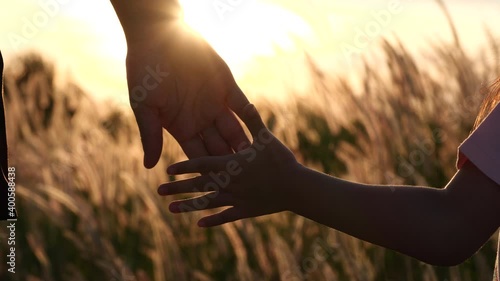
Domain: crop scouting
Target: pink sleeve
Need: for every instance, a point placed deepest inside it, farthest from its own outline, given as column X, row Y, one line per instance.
column 482, row 147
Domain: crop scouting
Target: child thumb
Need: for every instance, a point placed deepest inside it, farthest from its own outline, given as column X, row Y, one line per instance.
column 252, row 120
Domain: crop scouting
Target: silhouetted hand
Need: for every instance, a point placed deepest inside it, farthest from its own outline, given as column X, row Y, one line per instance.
column 178, row 82
column 255, row 181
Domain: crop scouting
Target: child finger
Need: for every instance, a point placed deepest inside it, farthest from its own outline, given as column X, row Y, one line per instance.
column 252, row 120
column 228, row 215
column 205, row 202
column 196, row 184
column 199, row 165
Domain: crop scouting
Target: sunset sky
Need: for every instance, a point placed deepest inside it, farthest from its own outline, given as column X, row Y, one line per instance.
column 263, row 41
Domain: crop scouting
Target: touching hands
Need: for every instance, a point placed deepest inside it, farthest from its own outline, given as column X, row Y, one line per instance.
column 255, row 181
column 178, row 82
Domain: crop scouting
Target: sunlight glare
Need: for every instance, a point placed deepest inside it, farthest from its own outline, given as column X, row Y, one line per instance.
column 248, row 30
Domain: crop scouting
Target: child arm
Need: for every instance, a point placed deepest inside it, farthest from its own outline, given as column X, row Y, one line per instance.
column 437, row 226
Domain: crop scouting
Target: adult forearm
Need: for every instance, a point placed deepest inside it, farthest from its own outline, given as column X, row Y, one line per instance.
column 415, row 221
column 139, row 16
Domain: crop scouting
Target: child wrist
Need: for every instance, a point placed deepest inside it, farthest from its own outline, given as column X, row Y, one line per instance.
column 294, row 186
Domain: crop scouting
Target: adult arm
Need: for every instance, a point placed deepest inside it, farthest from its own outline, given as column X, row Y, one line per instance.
column 140, row 18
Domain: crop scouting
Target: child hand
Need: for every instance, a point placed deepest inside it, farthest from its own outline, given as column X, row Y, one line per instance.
column 254, row 182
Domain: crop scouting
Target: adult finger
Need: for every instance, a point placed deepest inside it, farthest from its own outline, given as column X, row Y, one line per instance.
column 237, row 101
column 231, row 130
column 214, row 142
column 194, row 147
column 228, row 215
column 205, row 202
column 150, row 130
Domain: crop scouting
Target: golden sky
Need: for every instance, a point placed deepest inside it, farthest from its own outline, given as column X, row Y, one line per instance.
column 263, row 41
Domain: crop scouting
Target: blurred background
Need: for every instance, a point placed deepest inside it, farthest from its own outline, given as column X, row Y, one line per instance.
column 263, row 41
column 379, row 91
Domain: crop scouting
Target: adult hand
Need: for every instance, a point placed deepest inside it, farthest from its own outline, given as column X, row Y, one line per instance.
column 178, row 82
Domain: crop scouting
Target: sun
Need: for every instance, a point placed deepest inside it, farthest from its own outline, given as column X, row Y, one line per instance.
column 241, row 30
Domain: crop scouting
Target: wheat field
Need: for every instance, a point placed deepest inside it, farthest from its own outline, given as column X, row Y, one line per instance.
column 88, row 210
